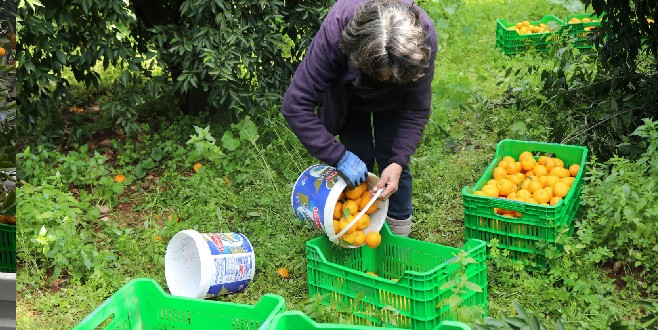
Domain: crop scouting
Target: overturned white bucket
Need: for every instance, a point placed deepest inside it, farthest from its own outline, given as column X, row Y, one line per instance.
column 210, row 264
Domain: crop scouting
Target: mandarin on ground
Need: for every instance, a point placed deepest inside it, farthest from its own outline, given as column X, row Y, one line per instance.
column 283, row 272
column 197, row 166
column 373, row 239
column 119, row 178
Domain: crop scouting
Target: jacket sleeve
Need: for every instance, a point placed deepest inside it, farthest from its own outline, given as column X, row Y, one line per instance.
column 415, row 110
column 320, row 66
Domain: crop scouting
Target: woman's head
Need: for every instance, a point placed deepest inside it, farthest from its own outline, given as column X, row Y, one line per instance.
column 386, row 40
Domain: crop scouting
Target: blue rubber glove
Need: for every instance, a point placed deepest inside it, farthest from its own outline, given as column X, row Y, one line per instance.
column 352, row 169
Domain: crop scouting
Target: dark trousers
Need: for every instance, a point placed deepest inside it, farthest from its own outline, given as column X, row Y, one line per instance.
column 370, row 135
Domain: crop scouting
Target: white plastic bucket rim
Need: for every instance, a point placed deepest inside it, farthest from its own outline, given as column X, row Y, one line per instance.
column 188, row 277
column 377, row 219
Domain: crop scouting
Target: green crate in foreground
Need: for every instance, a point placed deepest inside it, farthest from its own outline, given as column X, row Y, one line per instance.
column 7, row 248
column 537, row 222
column 420, row 267
column 142, row 304
column 294, row 320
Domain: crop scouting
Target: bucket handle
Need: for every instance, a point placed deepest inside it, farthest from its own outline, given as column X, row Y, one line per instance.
column 358, row 216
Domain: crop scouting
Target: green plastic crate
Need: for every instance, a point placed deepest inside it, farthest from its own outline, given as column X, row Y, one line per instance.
column 579, row 31
column 537, row 222
column 294, row 320
column 511, row 42
column 142, row 304
column 7, row 248
column 421, row 267
column 452, row 325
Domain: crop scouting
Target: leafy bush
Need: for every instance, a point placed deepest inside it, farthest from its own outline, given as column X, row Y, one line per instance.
column 626, row 34
column 237, row 57
column 622, row 204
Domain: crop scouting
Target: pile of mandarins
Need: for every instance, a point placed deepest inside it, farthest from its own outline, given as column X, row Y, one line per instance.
column 545, row 181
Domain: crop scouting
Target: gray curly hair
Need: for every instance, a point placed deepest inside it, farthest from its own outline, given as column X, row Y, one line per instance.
column 386, row 40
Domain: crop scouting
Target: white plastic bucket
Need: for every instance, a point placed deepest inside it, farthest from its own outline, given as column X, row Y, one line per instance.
column 314, row 198
column 207, row 265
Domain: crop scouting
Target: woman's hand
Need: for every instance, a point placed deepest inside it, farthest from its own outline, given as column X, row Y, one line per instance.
column 389, row 180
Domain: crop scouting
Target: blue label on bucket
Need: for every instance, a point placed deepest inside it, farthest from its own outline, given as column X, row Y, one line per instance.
column 310, row 193
column 233, row 262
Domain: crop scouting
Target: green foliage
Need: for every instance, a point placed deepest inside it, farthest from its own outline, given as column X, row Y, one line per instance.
column 238, row 57
column 625, row 34
column 524, row 320
column 75, row 35
column 56, row 230
column 460, row 286
column 622, row 204
column 230, row 57
column 570, row 98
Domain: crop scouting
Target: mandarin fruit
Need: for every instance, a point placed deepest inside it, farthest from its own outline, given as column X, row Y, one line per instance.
column 373, row 239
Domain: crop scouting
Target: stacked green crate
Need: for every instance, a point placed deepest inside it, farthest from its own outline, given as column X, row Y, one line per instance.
column 410, row 274
column 295, row 320
column 537, row 222
column 512, row 42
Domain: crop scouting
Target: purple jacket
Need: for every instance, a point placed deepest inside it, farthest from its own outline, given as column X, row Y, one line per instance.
column 323, row 79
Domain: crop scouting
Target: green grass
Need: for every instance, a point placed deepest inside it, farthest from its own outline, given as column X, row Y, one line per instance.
column 248, row 190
